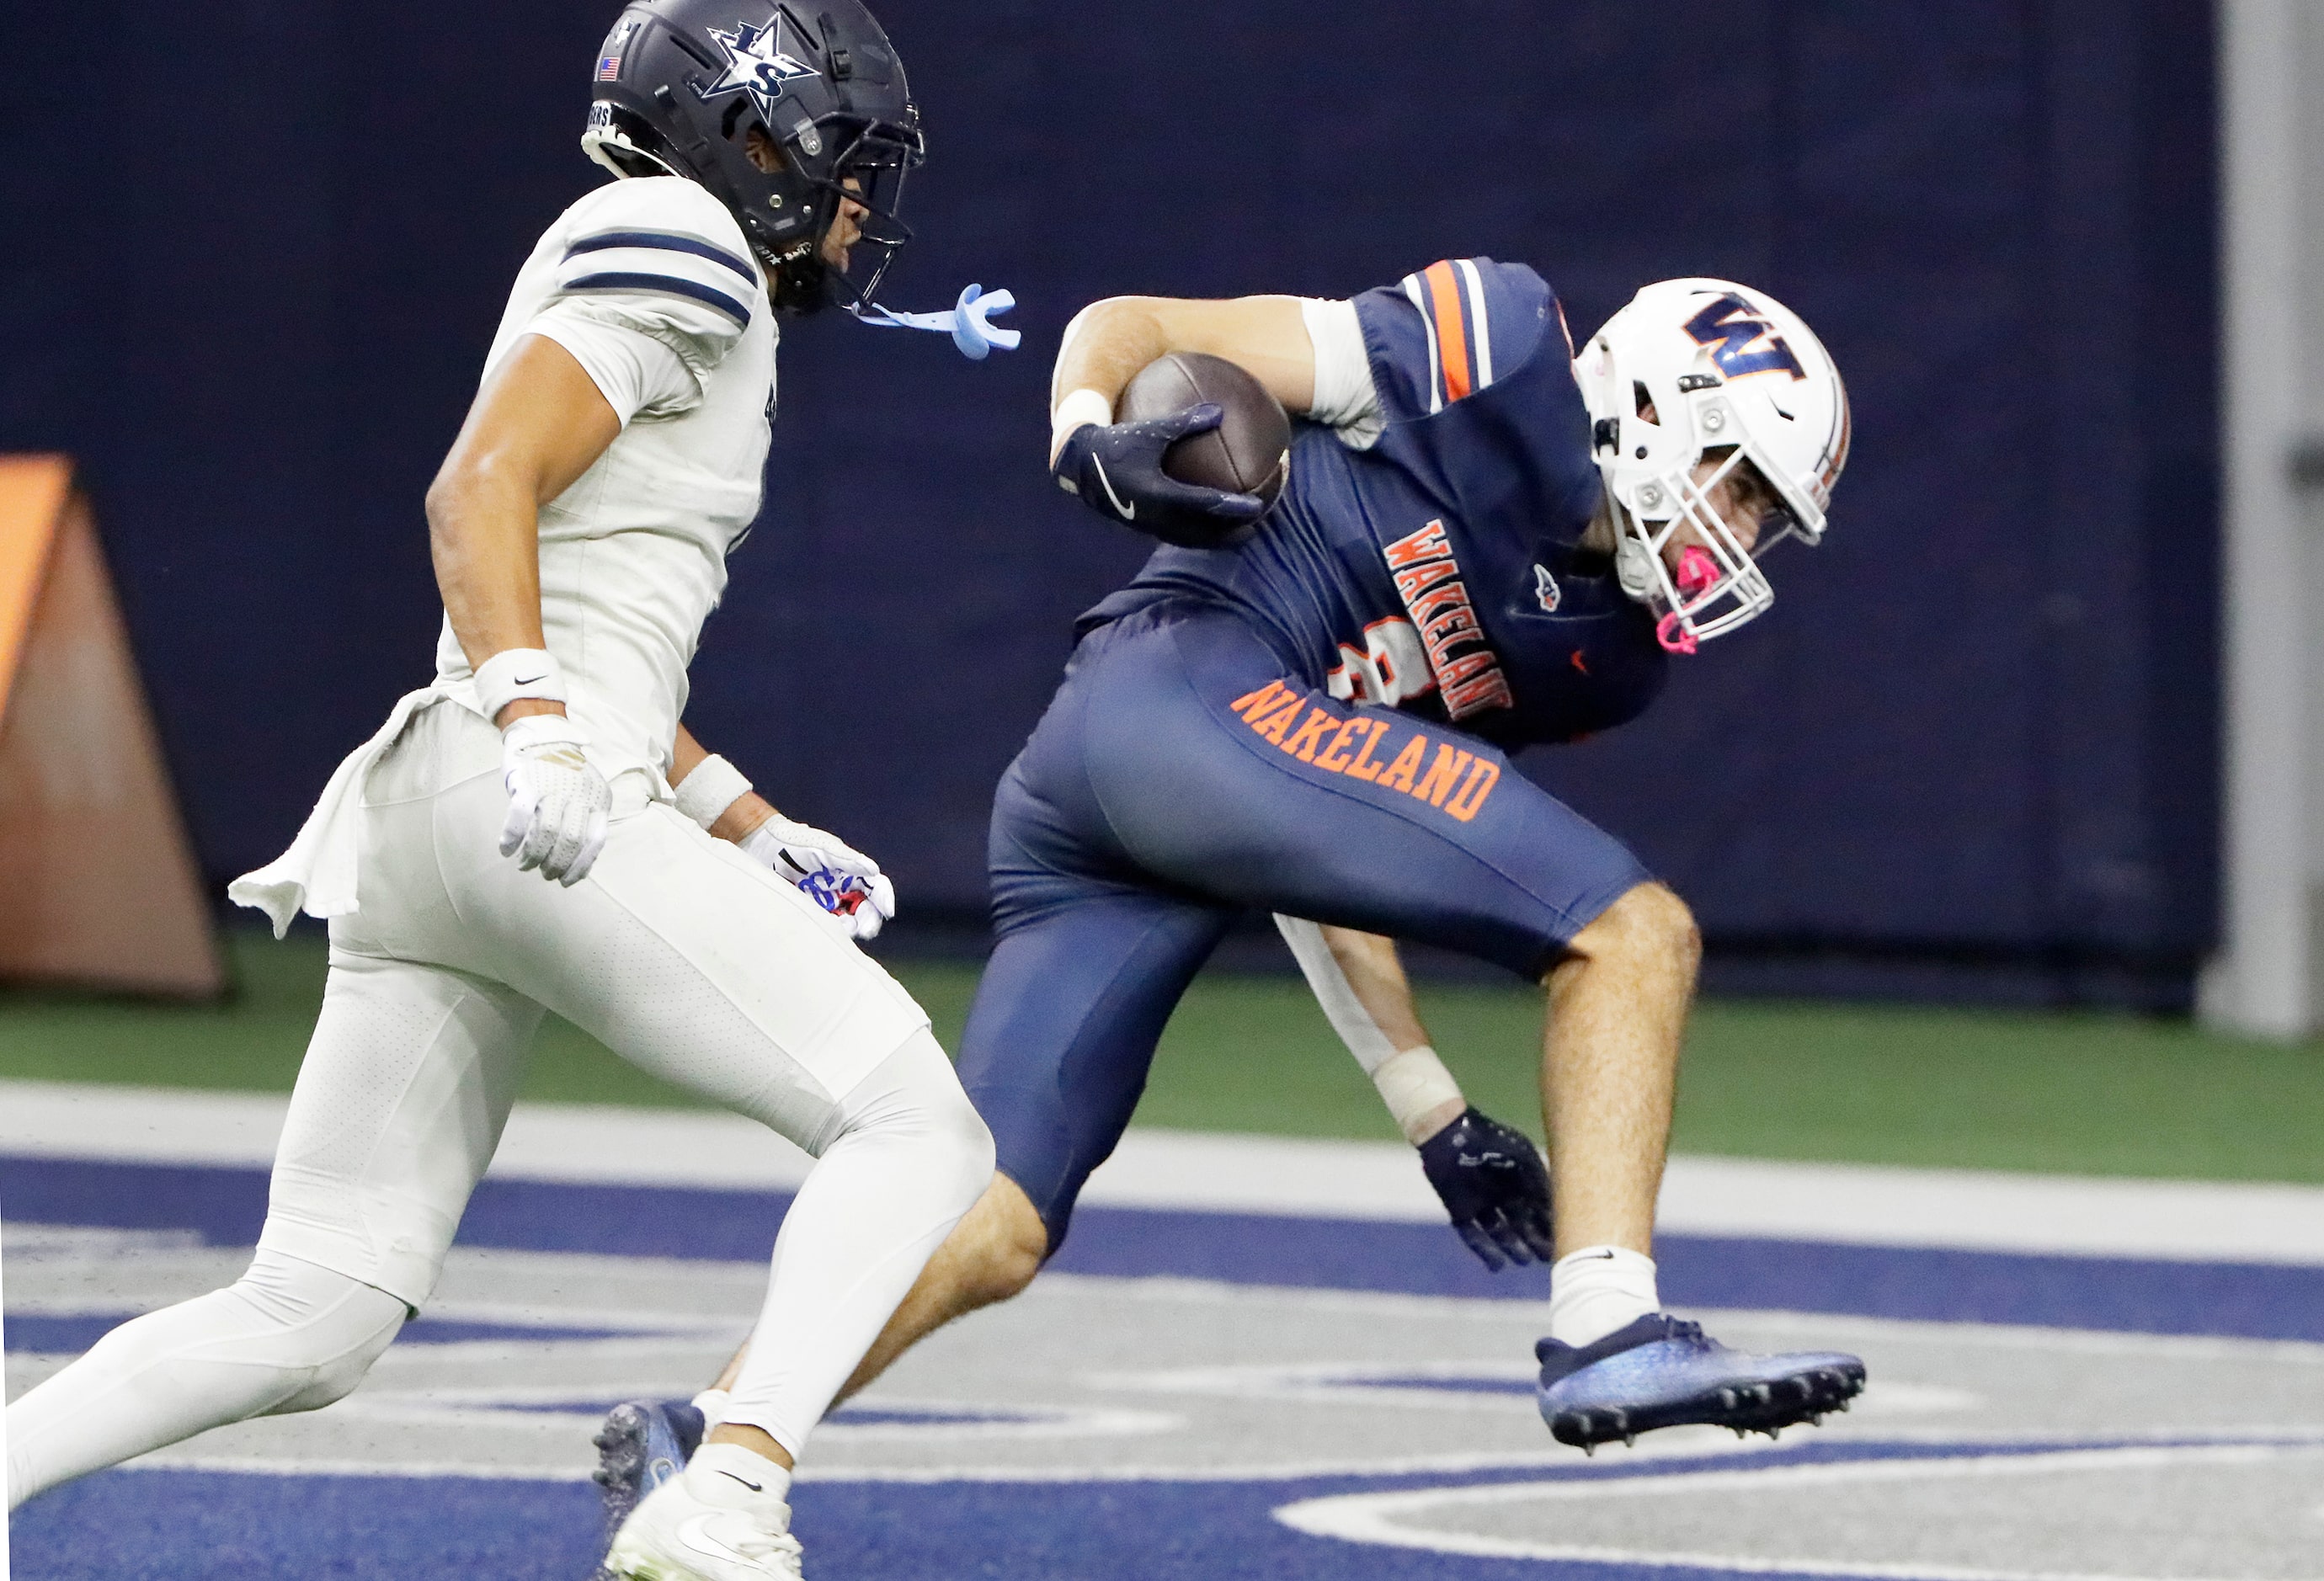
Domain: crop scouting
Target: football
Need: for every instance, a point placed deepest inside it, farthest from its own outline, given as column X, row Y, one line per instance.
column 1249, row 452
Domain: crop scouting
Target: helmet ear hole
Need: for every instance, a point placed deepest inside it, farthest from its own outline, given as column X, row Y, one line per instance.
column 1643, row 403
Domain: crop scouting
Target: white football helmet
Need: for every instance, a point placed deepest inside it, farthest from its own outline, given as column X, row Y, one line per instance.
column 1706, row 368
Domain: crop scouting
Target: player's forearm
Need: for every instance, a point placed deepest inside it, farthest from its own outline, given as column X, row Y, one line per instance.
column 1105, row 346
column 1361, row 985
column 483, row 537
column 1109, row 341
column 538, row 424
column 1374, row 975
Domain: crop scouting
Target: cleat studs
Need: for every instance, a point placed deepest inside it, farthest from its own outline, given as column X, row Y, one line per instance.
column 1729, row 1400
column 1629, row 1440
column 1589, row 1447
column 1742, row 1432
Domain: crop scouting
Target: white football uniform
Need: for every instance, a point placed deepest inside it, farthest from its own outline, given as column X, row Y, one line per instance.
column 649, row 284
column 677, row 950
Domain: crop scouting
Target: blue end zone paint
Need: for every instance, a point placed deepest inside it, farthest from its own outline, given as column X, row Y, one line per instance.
column 225, row 1207
column 200, row 1526
column 204, row 1526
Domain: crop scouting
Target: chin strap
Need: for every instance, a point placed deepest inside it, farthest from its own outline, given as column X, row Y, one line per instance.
column 967, row 322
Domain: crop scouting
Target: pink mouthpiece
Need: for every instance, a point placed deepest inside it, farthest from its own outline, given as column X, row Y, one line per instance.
column 1696, row 570
column 1673, row 635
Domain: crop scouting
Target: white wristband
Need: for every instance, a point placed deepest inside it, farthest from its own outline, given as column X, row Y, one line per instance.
column 1082, row 406
column 1412, row 1084
column 714, row 785
column 518, row 672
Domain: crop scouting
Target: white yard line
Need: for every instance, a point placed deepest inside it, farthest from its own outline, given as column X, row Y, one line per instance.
column 1381, row 1518
column 2200, row 1221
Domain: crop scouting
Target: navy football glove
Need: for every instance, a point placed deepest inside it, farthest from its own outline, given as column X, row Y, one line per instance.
column 1116, row 471
column 1494, row 1184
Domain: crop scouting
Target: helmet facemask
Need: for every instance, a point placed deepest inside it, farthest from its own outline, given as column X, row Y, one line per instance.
column 1695, row 566
column 869, row 172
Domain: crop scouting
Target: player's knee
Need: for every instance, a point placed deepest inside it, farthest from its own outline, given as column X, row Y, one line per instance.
column 322, row 1329
column 913, row 1103
column 967, row 1138
column 335, row 1378
column 1007, row 1242
column 1648, row 928
column 957, row 1145
column 1005, row 1267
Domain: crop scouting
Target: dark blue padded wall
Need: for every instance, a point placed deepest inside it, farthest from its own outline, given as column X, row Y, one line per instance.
column 1977, row 731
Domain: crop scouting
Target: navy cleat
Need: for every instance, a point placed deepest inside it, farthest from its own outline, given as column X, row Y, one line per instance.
column 643, row 1444
column 1662, row 1372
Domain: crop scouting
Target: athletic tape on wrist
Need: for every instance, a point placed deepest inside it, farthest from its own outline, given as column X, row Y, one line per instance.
column 518, row 672
column 714, row 785
column 1082, row 406
column 1413, row 1084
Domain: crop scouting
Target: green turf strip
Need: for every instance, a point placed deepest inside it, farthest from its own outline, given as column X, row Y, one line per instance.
column 2073, row 1093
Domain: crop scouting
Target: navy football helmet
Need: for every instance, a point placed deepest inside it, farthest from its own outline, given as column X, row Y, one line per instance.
column 680, row 85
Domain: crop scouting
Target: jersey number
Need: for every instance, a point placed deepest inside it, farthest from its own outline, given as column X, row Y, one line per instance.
column 1392, row 667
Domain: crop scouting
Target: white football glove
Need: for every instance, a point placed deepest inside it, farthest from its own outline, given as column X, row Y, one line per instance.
column 558, row 801
column 834, row 874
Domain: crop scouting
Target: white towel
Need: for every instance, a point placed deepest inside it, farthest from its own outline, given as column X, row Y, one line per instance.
column 317, row 874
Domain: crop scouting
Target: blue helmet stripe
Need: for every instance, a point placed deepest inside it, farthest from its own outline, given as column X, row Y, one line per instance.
column 665, row 241
column 629, row 282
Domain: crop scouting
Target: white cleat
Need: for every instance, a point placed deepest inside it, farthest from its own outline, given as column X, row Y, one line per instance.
column 723, row 1519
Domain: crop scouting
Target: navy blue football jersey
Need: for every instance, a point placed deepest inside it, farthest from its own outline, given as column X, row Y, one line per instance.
column 1439, row 571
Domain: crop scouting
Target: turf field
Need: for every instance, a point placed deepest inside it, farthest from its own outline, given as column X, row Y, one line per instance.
column 1276, row 1390
column 2065, row 1093
column 1257, row 1357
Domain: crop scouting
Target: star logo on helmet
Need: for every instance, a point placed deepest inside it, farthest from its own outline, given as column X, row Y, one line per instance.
column 756, row 64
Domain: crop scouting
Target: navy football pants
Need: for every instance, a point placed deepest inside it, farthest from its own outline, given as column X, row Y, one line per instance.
column 1179, row 778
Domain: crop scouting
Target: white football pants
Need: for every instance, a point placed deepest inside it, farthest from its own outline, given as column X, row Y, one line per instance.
column 677, row 952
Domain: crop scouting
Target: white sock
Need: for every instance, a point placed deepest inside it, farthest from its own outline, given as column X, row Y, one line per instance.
column 712, row 1404
column 1597, row 1290
column 730, row 1476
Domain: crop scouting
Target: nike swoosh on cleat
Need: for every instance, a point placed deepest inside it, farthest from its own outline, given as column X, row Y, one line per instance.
column 1129, row 512
column 695, row 1535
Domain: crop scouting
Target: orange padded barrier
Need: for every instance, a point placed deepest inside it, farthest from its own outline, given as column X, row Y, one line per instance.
column 98, row 885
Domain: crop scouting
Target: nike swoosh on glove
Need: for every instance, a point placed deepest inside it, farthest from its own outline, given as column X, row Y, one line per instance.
column 1116, row 469
column 832, row 873
column 559, row 804
column 1491, row 1180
